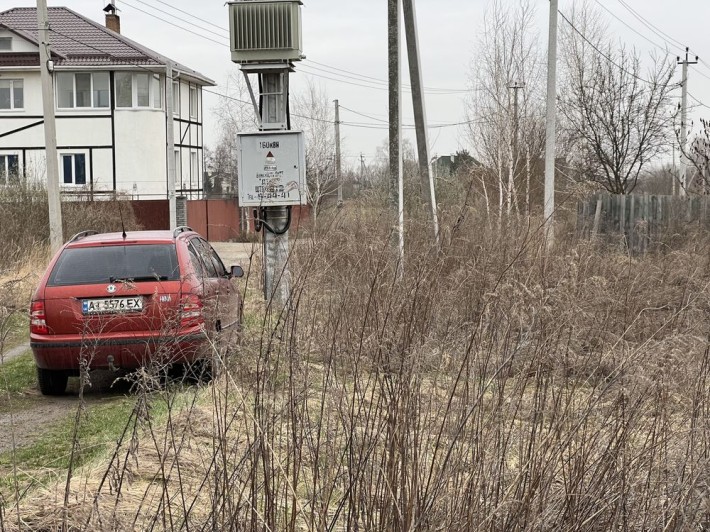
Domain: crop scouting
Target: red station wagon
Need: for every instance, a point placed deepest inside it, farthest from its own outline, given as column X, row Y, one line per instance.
column 124, row 300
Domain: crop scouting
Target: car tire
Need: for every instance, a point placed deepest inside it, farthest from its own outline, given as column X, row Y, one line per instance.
column 199, row 371
column 52, row 382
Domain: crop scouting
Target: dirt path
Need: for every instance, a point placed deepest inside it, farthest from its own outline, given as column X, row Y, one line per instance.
column 21, row 427
column 14, row 352
column 241, row 253
column 25, row 417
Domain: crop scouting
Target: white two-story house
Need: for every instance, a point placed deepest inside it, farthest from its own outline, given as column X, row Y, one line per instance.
column 110, row 98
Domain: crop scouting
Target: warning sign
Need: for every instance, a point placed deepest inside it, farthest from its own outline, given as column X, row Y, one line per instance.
column 272, row 168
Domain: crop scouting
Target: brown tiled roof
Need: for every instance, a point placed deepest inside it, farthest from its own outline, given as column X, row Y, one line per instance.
column 79, row 41
column 19, row 59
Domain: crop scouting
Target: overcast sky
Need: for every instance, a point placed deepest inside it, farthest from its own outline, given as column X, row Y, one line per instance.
column 352, row 36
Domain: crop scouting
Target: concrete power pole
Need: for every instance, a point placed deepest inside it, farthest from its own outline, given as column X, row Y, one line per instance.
column 277, row 280
column 56, row 238
column 338, row 165
column 515, row 86
column 684, row 122
column 415, row 76
column 395, row 112
column 550, row 125
column 170, row 144
column 362, row 170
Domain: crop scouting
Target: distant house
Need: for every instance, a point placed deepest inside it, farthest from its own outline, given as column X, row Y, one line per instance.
column 444, row 166
column 110, row 95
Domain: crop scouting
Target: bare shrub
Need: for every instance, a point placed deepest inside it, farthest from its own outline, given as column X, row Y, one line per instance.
column 24, row 233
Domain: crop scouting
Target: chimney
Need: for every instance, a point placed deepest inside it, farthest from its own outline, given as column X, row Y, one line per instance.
column 113, row 21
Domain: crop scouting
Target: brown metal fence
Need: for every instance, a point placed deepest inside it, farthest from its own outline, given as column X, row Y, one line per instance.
column 218, row 220
column 222, row 220
column 152, row 214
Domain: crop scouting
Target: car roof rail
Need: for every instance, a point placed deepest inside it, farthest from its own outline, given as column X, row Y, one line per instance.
column 181, row 229
column 83, row 234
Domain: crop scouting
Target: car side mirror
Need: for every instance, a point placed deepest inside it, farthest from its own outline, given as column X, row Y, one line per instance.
column 236, row 271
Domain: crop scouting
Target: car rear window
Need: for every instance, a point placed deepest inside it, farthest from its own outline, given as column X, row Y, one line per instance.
column 104, row 264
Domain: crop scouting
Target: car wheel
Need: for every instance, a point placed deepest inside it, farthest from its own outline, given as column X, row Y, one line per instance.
column 52, row 382
column 199, row 371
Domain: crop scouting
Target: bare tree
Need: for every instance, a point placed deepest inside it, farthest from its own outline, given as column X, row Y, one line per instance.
column 507, row 52
column 698, row 155
column 313, row 114
column 617, row 116
column 235, row 114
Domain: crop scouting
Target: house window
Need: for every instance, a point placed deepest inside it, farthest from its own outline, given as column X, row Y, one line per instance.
column 12, row 94
column 138, row 89
column 193, row 102
column 142, row 82
column 9, row 169
column 194, row 167
column 100, row 88
column 74, row 168
column 82, row 90
column 157, row 88
column 178, row 172
column 176, row 97
column 5, row 44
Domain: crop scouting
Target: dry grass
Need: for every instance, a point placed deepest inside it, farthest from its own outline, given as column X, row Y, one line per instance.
column 494, row 385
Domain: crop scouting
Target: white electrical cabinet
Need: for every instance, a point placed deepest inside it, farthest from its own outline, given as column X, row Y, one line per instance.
column 272, row 168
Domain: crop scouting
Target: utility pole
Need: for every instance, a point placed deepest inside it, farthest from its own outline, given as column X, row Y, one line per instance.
column 415, row 76
column 272, row 164
column 684, row 122
column 338, row 167
column 362, row 170
column 277, row 282
column 170, row 144
column 46, row 66
column 550, row 125
column 395, row 126
column 515, row 86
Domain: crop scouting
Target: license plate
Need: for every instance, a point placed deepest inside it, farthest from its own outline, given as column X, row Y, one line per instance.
column 114, row 304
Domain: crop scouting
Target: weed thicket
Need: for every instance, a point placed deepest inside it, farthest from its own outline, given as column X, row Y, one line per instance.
column 494, row 384
column 25, row 227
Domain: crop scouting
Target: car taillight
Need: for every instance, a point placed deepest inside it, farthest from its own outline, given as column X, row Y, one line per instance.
column 191, row 311
column 38, row 318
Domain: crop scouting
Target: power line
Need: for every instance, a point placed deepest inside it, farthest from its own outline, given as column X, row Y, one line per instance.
column 365, row 84
column 382, row 81
column 658, row 32
column 610, row 60
column 365, row 81
column 664, row 48
column 605, row 56
column 700, row 102
column 650, row 26
column 222, row 43
column 173, row 7
column 429, row 126
column 660, row 47
column 307, row 72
